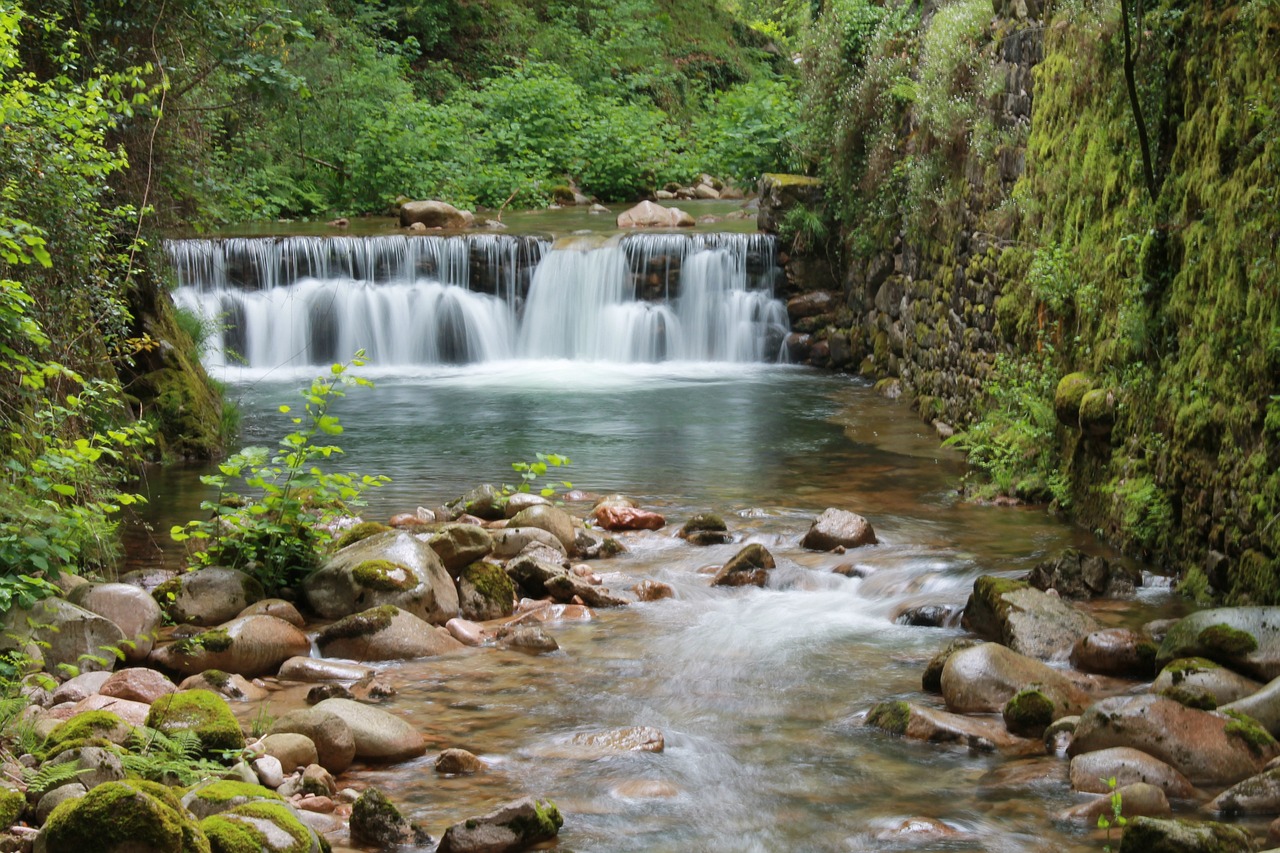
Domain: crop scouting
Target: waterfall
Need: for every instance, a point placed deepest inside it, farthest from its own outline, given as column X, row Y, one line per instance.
column 431, row 300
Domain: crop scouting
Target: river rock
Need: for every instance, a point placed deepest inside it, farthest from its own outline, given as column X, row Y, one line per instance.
column 228, row 685
column 1247, row 639
column 749, row 567
column 1207, row 748
column 375, row 821
column 552, row 519
column 95, row 765
column 614, row 518
column 132, row 610
column 527, row 638
column 511, row 541
column 485, row 591
column 565, row 588
column 465, row 631
column 838, row 528
column 931, row 679
column 248, row 646
column 1263, row 706
column 315, row 670
column 531, row 575
column 1029, row 621
column 460, row 545
column 435, row 214
column 79, row 687
column 384, row 633
column 278, row 608
column 929, row 616
column 1136, row 798
column 379, row 735
column 646, row 214
column 916, row 722
column 632, row 739
column 1201, row 683
column 513, row 827
column 520, row 501
column 137, row 684
column 207, row 596
column 1074, row 574
column 389, row 568
column 112, row 817
column 458, row 762
column 294, row 751
column 983, row 678
column 333, row 738
column 705, row 528
column 1090, row 772
column 200, row 711
column 1155, row 835
column 812, row 304
column 1115, row 651
column 66, row 634
column 1256, row 795
column 133, row 713
column 274, row 827
column 59, row 795
column 651, row 590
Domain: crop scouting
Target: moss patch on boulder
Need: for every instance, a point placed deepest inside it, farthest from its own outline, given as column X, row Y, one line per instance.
column 202, row 711
column 93, row 728
column 359, row 532
column 892, row 717
column 384, row 575
column 1028, row 712
column 1229, row 641
column 240, row 830
column 115, row 813
column 360, row 624
column 1066, row 399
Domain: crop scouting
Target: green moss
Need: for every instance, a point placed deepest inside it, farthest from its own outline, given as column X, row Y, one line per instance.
column 611, row 547
column 1097, row 412
column 1231, row 642
column 491, row 581
column 93, row 728
column 1028, row 712
column 545, row 823
column 1066, row 399
column 384, row 575
column 1192, row 698
column 216, row 678
column 360, row 624
column 227, row 834
column 1252, row 732
column 358, row 533
column 167, row 591
column 225, row 790
column 704, row 521
column 215, row 640
column 118, row 813
column 201, row 711
column 783, row 180
column 12, row 802
column 893, row 717
column 1182, row 667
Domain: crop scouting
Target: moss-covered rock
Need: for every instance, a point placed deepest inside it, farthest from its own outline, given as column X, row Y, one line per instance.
column 359, row 532
column 12, row 803
column 259, row 827
column 377, row 822
column 891, row 717
column 1029, row 712
column 201, row 711
column 221, row 795
column 384, row 575
column 485, row 591
column 1154, row 835
column 515, row 826
column 1068, row 396
column 92, row 728
column 137, row 816
column 705, row 528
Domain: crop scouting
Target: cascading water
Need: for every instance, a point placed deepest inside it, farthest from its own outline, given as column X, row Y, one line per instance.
column 302, row 301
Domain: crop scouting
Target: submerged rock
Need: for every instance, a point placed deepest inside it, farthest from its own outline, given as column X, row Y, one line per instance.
column 515, row 826
column 749, row 567
column 917, row 722
column 838, row 528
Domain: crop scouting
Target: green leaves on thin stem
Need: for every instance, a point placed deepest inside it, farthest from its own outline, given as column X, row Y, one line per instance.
column 530, row 472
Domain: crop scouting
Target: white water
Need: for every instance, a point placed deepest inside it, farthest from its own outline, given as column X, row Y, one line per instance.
column 291, row 303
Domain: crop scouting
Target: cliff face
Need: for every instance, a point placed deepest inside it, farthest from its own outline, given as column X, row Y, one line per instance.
column 1022, row 245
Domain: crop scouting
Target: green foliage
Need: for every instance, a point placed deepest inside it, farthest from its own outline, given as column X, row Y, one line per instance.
column 277, row 532
column 173, row 758
column 750, row 129
column 530, row 472
column 1117, row 818
column 803, row 228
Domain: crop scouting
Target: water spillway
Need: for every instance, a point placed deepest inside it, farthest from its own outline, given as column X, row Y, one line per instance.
column 432, row 300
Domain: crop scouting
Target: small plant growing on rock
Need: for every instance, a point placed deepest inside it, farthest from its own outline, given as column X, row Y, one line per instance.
column 1117, row 818
column 531, row 471
column 277, row 532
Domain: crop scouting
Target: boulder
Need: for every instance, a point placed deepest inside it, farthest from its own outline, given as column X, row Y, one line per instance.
column 1135, row 799
column 1115, row 651
column 1207, row 748
column 552, row 519
column 520, row 501
column 485, row 591
column 95, row 765
column 916, row 722
column 705, row 528
column 316, row 670
column 485, row 502
column 1066, row 398
column 79, row 687
column 1091, row 771
column 510, row 541
column 646, row 214
column 527, row 638
column 465, row 631
column 384, row 633
column 931, row 679
column 133, row 713
column 531, row 575
column 389, row 568
column 435, row 214
column 66, row 634
column 137, row 684
column 812, row 304
column 90, row 728
column 133, row 611
column 749, row 567
column 52, row 799
column 228, row 685
column 838, row 528
column 334, row 741
column 460, row 545
column 200, row 711
column 248, row 646
column 458, row 762
column 513, row 827
column 565, row 588
column 1074, row 574
column 208, row 596
column 292, row 750
column 215, row 796
column 1154, row 835
column 1246, row 639
column 379, row 735
column 983, row 678
column 1029, row 621
column 613, row 517
column 278, row 608
column 1256, row 795
column 1263, row 706
column 1203, row 684
column 133, row 816
column 375, row 821
column 269, row 827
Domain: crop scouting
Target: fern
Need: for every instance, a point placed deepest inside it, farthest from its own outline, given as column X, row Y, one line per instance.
column 175, row 757
column 52, row 775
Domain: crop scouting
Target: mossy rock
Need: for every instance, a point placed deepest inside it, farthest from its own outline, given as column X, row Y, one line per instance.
column 137, row 816
column 1249, row 730
column 361, row 624
column 221, row 795
column 1154, row 835
column 1098, row 412
column 92, row 728
column 1245, row 639
column 515, row 826
column 892, row 717
column 1068, row 396
column 384, row 576
column 358, row 532
column 12, row 802
column 485, row 591
column 201, row 711
column 216, row 640
column 705, row 528
column 259, row 827
column 1028, row 712
column 376, row 821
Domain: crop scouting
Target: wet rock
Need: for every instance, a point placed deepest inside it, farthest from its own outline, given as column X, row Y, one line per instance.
column 1058, row 736
column 460, row 545
column 377, row 822
column 613, row 517
column 208, row 596
column 278, row 608
column 1201, row 683
column 1029, row 621
column 929, row 616
column 513, row 827
column 130, row 608
column 248, row 646
column 56, row 632
column 379, row 735
column 645, row 789
column 137, row 684
column 1256, row 795
column 983, row 678
column 333, row 738
column 1207, row 748
column 434, row 214
column 705, row 528
column 931, row 680
column 646, row 214
column 384, row 633
column 916, row 722
column 838, row 528
column 917, row 830
column 1074, row 574
column 318, row 781
column 1137, row 798
column 466, row 632
column 1115, row 651
column 1091, row 770
column 485, row 592
column 1246, row 639
column 527, row 638
column 591, row 547
column 565, row 588
column 321, row 692
column 229, row 685
column 749, row 567
column 650, row 590
column 1031, row 711
column 318, row 669
column 458, row 762
column 555, row 521
column 1263, row 706
column 389, row 568
column 520, row 501
column 485, row 502
column 531, row 575
column 633, row 739
column 1154, row 835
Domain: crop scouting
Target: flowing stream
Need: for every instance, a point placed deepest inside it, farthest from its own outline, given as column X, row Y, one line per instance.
column 653, row 365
